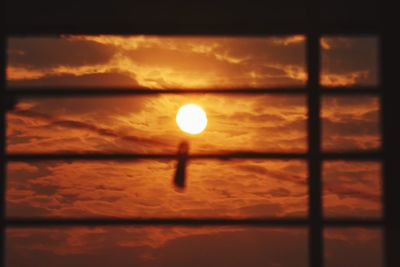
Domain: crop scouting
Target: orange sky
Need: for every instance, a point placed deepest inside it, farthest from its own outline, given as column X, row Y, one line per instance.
column 146, row 124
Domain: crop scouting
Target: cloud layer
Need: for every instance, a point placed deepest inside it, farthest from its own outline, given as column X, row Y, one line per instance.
column 145, row 124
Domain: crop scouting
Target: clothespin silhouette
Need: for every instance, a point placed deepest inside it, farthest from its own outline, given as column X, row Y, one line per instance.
column 180, row 173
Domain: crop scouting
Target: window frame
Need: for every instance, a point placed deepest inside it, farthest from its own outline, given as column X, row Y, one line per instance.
column 313, row 29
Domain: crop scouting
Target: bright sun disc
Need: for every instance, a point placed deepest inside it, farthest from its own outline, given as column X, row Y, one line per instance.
column 191, row 119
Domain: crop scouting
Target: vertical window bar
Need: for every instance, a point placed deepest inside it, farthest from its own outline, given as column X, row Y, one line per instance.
column 314, row 137
column 2, row 136
column 391, row 147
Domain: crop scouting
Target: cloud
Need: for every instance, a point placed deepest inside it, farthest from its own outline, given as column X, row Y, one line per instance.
column 54, row 122
column 144, row 189
column 109, row 79
column 298, row 178
column 279, row 192
column 103, row 131
column 194, row 247
column 282, row 119
column 205, row 246
column 16, row 209
column 167, row 62
column 353, row 247
column 347, row 79
column 348, row 61
column 350, row 123
column 160, row 62
column 237, row 188
column 352, row 189
column 49, row 52
column 270, row 209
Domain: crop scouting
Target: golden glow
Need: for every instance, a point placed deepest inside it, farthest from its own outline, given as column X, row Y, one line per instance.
column 191, row 119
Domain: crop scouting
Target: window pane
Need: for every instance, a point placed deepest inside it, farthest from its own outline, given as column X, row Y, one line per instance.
column 352, row 189
column 350, row 123
column 349, row 61
column 157, row 62
column 238, row 188
column 157, row 246
column 351, row 247
column 147, row 124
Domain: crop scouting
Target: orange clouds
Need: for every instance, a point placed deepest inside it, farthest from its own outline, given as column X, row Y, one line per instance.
column 251, row 188
column 146, row 124
column 189, row 62
column 19, row 73
column 162, row 62
column 127, row 246
column 179, row 246
column 348, row 79
column 352, row 189
column 350, row 123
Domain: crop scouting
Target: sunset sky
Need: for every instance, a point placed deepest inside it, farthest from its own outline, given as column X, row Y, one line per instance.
column 146, row 124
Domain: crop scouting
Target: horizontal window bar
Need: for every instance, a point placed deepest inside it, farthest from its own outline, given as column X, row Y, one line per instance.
column 75, row 91
column 268, row 27
column 63, row 92
column 367, row 155
column 290, row 222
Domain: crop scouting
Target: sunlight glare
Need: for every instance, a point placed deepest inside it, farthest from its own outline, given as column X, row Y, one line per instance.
column 191, row 119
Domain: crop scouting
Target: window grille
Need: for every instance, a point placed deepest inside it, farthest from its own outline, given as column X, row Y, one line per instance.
column 312, row 29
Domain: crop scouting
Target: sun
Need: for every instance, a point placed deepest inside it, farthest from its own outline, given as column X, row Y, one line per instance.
column 191, row 119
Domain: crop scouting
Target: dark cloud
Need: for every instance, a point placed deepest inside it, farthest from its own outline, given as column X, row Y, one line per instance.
column 350, row 102
column 25, row 172
column 48, row 52
column 352, row 54
column 224, row 247
column 18, row 209
column 94, row 80
column 348, row 54
column 342, row 143
column 245, row 248
column 271, row 209
column 351, row 192
column 353, row 247
column 226, row 62
column 53, row 122
column 350, row 126
column 279, row 175
column 366, row 211
column 341, row 171
column 67, row 200
column 71, row 124
column 279, row 192
column 350, row 123
column 352, row 188
column 42, row 189
column 100, row 108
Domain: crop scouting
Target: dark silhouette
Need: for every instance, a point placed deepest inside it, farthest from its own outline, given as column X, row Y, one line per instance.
column 180, row 173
